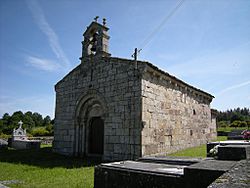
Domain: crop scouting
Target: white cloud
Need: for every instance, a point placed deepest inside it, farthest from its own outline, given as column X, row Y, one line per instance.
column 229, row 62
column 44, row 26
column 43, row 64
column 233, row 87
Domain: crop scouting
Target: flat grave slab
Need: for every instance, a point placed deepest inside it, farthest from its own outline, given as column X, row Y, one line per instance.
column 147, row 167
column 127, row 174
column 186, row 161
column 205, row 172
column 212, row 165
column 160, row 172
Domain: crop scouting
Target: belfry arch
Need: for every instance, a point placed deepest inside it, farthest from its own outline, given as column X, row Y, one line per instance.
column 89, row 126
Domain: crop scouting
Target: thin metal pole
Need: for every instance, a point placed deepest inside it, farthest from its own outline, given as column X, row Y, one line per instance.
column 135, row 57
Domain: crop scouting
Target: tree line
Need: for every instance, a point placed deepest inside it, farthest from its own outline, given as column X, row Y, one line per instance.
column 34, row 123
column 238, row 117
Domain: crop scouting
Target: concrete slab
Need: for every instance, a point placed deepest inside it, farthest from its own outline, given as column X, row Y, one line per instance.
column 171, row 160
column 212, row 165
column 205, row 172
column 160, row 172
column 138, row 174
column 147, row 167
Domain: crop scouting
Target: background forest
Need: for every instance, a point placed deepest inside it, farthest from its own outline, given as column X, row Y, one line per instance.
column 234, row 118
column 34, row 123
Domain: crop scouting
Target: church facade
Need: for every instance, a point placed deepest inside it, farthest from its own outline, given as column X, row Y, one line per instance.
column 118, row 109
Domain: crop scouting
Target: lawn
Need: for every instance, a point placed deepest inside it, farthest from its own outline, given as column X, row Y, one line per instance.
column 199, row 151
column 42, row 168
column 31, row 168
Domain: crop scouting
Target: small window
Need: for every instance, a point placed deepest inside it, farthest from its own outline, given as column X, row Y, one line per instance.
column 191, row 132
column 194, row 112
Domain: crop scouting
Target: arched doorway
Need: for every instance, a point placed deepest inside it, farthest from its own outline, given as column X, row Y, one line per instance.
column 89, row 126
column 96, row 136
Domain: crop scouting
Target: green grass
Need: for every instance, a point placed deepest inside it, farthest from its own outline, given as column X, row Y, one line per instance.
column 43, row 168
column 229, row 129
column 198, row 152
column 46, row 145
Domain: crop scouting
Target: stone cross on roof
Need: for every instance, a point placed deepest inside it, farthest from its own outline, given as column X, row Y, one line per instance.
column 96, row 18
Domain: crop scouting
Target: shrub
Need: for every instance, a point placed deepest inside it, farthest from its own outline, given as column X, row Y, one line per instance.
column 4, row 136
column 243, row 124
column 235, row 124
column 40, row 131
column 222, row 124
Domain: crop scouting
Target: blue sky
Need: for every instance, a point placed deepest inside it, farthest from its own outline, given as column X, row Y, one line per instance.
column 206, row 43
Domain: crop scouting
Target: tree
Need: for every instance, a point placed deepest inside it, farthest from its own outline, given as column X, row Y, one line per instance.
column 6, row 119
column 1, row 126
column 46, row 121
column 236, row 116
column 28, row 122
column 38, row 119
column 233, row 115
column 15, row 118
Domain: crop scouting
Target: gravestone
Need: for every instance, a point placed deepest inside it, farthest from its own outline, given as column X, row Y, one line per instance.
column 234, row 152
column 160, row 172
column 235, row 135
column 20, row 140
column 19, row 133
column 3, row 144
column 211, row 145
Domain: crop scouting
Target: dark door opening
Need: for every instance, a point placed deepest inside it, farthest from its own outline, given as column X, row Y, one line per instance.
column 96, row 136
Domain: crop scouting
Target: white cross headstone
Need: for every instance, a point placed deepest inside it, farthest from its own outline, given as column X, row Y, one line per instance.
column 20, row 123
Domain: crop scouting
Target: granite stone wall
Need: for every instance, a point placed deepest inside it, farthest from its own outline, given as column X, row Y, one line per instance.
column 174, row 116
column 114, row 84
column 144, row 111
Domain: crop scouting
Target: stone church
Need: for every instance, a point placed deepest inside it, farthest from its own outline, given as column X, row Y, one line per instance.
column 118, row 109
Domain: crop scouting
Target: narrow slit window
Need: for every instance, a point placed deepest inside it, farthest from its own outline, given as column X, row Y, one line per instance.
column 194, row 112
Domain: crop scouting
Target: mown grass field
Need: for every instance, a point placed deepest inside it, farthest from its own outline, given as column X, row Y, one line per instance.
column 42, row 168
column 199, row 151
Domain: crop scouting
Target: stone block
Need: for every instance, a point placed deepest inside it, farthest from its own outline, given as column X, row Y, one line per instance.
column 205, row 172
column 234, row 152
column 134, row 174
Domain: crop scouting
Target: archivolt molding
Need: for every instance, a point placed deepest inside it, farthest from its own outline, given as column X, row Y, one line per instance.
column 90, row 101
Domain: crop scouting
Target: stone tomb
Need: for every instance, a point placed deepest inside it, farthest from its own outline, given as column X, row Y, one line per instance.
column 20, row 140
column 234, row 144
column 235, row 135
column 234, row 152
column 160, row 172
column 231, row 161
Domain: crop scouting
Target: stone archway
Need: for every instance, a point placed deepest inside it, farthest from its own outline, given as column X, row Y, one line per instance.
column 89, row 126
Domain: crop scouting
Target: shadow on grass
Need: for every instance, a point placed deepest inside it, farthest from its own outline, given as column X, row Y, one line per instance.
column 44, row 158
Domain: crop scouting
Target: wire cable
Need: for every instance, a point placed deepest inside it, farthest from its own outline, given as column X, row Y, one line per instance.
column 151, row 35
